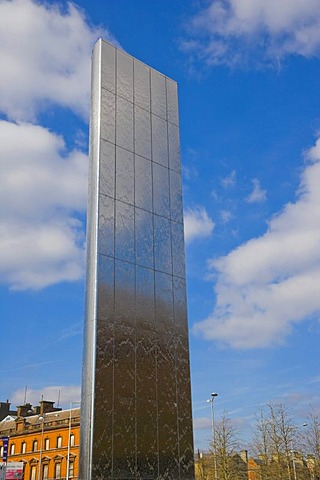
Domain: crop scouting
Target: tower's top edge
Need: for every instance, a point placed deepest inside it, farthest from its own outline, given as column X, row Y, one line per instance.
column 100, row 40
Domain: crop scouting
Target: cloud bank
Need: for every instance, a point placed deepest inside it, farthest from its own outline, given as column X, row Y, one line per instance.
column 45, row 56
column 68, row 394
column 270, row 283
column 43, row 191
column 245, row 32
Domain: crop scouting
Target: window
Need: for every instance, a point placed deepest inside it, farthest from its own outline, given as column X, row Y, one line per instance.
column 33, row 472
column 23, row 447
column 57, row 471
column 71, row 468
column 59, row 442
column 72, row 440
column 45, row 469
column 47, row 444
column 35, row 445
column 1, row 451
column 12, row 449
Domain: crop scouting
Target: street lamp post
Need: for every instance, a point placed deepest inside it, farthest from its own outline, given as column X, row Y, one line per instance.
column 213, row 395
column 41, row 444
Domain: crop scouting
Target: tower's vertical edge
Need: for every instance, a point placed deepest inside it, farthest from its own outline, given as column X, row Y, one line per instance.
column 89, row 354
column 136, row 401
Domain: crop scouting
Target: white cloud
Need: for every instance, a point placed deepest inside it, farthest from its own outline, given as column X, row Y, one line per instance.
column 197, row 224
column 257, row 195
column 36, row 256
column 43, row 189
column 230, row 180
column 68, row 394
column 270, row 283
column 314, row 153
column 237, row 32
column 44, row 57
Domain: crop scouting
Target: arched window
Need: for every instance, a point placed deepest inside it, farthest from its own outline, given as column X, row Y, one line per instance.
column 35, row 445
column 72, row 440
column 59, row 442
column 1, row 451
column 12, row 449
column 23, row 447
column 47, row 444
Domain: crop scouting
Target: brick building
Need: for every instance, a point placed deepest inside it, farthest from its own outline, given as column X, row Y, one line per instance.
column 41, row 437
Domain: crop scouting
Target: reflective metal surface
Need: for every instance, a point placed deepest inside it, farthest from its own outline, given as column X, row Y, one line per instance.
column 136, row 406
column 159, row 141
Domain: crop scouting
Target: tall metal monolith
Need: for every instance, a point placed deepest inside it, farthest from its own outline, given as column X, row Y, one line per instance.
column 136, row 402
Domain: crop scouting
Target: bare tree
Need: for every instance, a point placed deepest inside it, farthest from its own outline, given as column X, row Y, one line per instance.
column 310, row 443
column 284, row 432
column 261, row 445
column 283, row 452
column 229, row 463
column 274, row 441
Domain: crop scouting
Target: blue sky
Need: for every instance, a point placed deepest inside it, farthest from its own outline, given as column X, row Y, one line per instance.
column 248, row 75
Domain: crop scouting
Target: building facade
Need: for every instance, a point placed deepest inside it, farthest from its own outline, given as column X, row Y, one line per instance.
column 45, row 439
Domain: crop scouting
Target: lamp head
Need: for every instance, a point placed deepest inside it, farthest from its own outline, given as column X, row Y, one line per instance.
column 214, row 394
